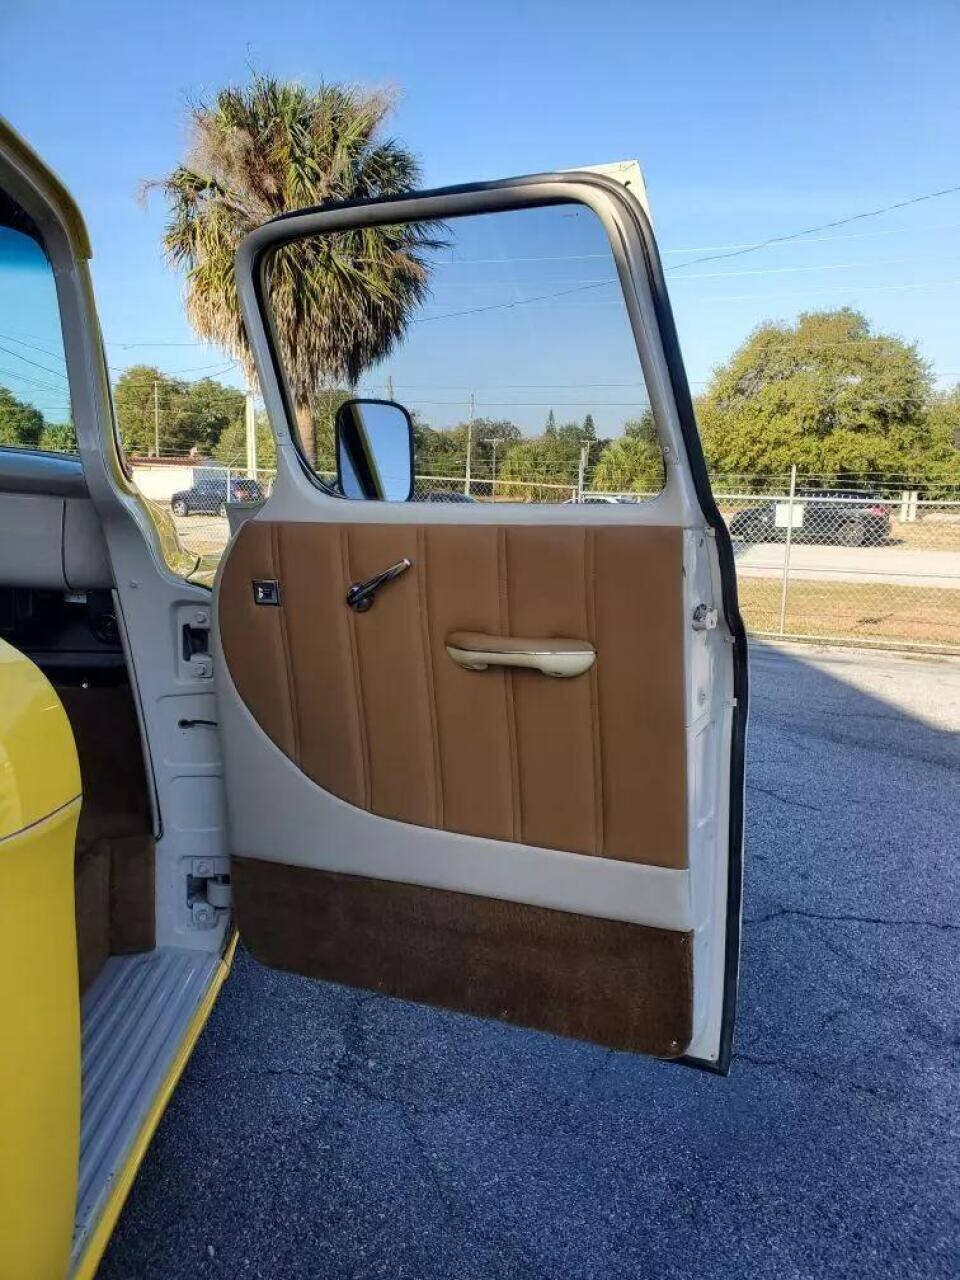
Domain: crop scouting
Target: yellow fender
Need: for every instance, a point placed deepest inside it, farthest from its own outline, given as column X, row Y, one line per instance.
column 39, row 999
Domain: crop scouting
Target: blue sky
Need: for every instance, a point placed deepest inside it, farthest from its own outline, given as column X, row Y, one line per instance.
column 749, row 121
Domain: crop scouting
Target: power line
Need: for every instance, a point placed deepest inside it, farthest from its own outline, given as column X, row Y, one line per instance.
column 713, row 297
column 823, row 226
column 166, row 374
column 22, row 377
column 704, row 248
column 546, row 386
column 736, row 253
column 10, row 337
column 118, row 369
column 506, row 306
column 866, row 288
column 36, row 364
column 126, row 346
column 856, row 235
column 705, row 275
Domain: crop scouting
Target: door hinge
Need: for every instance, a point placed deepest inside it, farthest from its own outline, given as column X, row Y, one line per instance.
column 208, row 891
column 704, row 618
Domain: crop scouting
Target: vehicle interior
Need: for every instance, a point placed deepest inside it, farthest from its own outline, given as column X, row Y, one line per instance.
column 134, row 996
column 148, row 937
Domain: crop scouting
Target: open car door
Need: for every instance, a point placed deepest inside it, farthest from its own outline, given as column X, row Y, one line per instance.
column 506, row 777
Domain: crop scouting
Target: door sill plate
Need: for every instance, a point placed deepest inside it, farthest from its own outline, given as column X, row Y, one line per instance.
column 134, row 1017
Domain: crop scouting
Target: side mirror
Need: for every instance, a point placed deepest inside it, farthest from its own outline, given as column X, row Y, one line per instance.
column 374, row 441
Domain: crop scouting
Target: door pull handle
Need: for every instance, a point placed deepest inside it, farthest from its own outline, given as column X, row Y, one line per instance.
column 553, row 657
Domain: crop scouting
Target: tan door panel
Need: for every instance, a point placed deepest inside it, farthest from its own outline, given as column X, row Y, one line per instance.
column 373, row 709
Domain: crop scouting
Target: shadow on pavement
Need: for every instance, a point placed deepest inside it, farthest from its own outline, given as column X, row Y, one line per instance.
column 324, row 1132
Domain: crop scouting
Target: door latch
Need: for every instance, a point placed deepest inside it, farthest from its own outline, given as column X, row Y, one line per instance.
column 361, row 594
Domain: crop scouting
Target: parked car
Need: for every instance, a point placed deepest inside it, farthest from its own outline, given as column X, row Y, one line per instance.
column 850, row 518
column 209, row 495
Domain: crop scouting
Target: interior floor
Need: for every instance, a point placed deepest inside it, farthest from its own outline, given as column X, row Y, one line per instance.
column 134, row 1015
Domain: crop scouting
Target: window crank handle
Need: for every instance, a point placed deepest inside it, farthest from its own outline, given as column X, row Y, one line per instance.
column 361, row 594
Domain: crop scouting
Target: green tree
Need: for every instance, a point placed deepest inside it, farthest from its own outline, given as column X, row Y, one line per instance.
column 145, row 399
column 201, row 412
column 231, row 447
column 184, row 415
column 825, row 393
column 20, row 424
column 548, row 463
column 631, row 463
column 59, row 437
column 589, row 432
column 490, row 438
column 339, row 302
column 437, row 452
column 551, row 428
column 942, row 452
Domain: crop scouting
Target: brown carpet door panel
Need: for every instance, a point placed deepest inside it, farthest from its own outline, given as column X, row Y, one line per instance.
column 371, row 707
column 625, row 986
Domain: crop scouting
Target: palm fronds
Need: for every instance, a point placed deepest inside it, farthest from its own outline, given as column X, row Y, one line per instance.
column 340, row 302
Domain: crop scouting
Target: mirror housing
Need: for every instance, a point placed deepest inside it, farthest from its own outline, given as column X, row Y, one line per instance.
column 374, row 445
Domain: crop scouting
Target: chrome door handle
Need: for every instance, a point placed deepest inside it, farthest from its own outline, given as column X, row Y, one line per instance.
column 361, row 594
column 554, row 657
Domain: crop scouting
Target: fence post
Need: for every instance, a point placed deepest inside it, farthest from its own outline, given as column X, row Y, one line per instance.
column 250, row 429
column 581, row 471
column 786, row 550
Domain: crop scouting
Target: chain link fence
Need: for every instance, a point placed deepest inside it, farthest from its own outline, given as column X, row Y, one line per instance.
column 876, row 565
column 817, row 559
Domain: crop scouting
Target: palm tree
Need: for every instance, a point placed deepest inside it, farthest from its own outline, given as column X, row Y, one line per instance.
column 340, row 302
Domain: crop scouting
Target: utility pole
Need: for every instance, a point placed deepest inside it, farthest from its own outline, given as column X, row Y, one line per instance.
column 493, row 485
column 390, row 386
column 156, row 418
column 250, row 425
column 473, row 414
column 581, row 470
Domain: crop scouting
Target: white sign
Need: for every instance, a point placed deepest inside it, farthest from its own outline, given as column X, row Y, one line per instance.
column 782, row 514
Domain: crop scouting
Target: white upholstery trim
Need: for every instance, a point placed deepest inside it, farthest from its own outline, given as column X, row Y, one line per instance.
column 287, row 818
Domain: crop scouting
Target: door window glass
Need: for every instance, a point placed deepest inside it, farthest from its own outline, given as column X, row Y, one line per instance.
column 504, row 335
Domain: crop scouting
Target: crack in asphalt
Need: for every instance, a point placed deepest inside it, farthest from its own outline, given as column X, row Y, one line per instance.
column 780, row 912
column 810, row 1073
column 775, row 795
column 945, row 758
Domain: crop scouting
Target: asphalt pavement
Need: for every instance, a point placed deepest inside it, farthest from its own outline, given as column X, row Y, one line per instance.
column 322, row 1132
